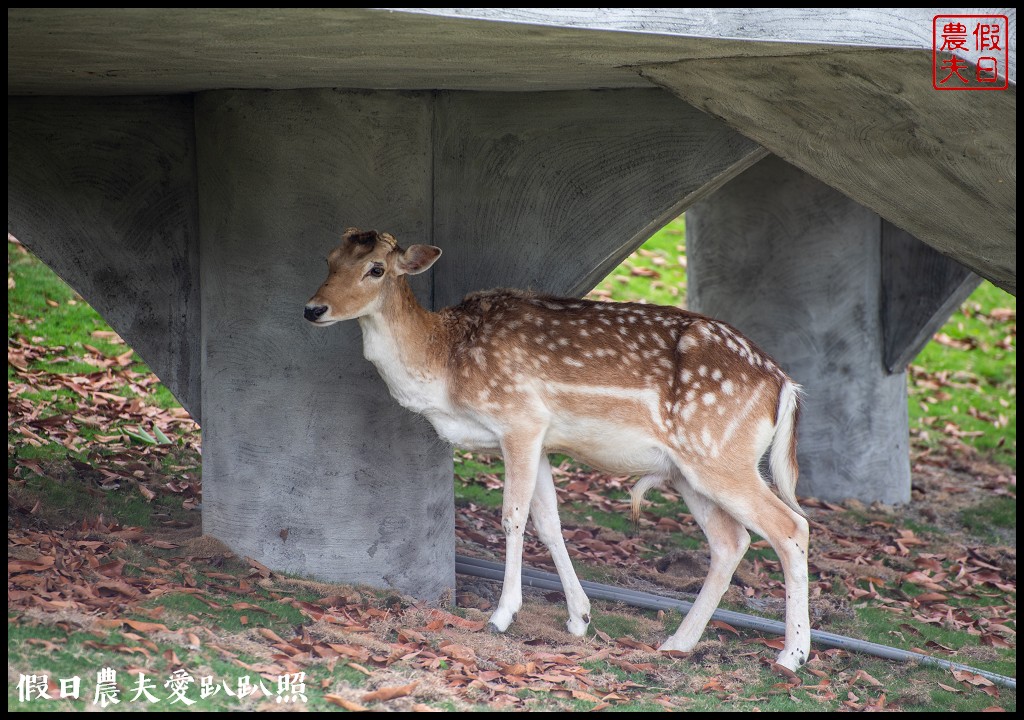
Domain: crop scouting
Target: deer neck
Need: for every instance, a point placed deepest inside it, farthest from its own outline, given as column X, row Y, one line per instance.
column 403, row 340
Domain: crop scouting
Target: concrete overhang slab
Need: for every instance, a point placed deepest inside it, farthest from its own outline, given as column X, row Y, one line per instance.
column 140, row 51
column 940, row 165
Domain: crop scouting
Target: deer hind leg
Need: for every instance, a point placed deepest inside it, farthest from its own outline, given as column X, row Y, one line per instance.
column 544, row 511
column 522, row 454
column 761, row 511
column 728, row 541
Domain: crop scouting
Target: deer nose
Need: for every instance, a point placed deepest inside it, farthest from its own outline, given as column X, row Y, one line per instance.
column 313, row 312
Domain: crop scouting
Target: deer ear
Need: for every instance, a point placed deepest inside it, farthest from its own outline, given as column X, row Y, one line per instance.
column 417, row 259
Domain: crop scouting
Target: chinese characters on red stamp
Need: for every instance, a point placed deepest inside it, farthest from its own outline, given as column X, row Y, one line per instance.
column 970, row 52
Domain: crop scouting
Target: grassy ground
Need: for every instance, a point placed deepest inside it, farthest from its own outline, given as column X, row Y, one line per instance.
column 107, row 567
column 964, row 383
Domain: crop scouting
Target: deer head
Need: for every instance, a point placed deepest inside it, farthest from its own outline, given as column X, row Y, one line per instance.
column 360, row 270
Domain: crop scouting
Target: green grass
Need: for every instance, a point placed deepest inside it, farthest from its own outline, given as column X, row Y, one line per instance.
column 478, row 495
column 274, row 615
column 45, row 310
column 72, row 501
column 128, row 652
column 469, row 466
column 991, row 515
column 881, row 626
column 978, row 386
column 613, row 624
column 584, row 515
column 655, row 273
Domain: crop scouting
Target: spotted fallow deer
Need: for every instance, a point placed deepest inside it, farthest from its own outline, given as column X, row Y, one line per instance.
column 658, row 392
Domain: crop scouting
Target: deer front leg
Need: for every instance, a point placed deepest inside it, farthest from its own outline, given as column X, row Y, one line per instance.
column 544, row 511
column 522, row 453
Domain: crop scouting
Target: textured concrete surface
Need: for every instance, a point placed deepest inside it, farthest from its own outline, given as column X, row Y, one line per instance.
column 795, row 265
column 175, row 50
column 299, row 432
column 921, row 288
column 748, row 31
column 103, row 191
column 845, row 94
column 551, row 191
column 940, row 165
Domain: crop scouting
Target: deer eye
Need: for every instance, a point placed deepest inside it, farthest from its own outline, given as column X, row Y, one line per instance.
column 376, row 271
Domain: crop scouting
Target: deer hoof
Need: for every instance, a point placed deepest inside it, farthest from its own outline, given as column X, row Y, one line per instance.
column 578, row 626
column 792, row 659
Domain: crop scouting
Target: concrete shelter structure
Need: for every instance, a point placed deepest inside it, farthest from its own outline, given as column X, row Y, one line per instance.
column 188, row 170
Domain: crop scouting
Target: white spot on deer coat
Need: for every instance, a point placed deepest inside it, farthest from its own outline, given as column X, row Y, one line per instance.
column 688, row 410
column 687, row 343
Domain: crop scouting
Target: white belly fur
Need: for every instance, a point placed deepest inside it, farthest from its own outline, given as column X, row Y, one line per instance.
column 607, row 446
column 602, row 445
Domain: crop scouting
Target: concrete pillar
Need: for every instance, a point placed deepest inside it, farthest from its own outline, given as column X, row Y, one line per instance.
column 308, row 464
column 796, row 265
column 103, row 191
column 921, row 288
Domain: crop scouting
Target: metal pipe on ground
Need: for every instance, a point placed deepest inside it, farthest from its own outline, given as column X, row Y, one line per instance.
column 486, row 569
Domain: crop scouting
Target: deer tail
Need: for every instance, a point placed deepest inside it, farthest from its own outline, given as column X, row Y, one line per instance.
column 782, row 459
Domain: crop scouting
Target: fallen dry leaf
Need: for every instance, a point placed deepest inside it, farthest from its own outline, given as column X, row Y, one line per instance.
column 249, row 606
column 724, row 626
column 447, row 618
column 349, row 705
column 390, row 693
column 270, row 635
column 863, row 675
column 791, row 677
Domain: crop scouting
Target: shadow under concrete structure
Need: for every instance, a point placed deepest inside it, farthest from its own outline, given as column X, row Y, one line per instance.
column 187, row 172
